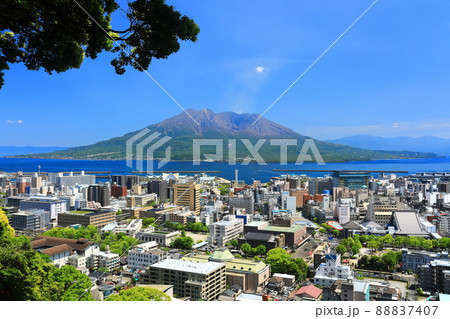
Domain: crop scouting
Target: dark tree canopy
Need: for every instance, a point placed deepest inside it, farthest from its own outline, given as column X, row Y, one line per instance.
column 56, row 35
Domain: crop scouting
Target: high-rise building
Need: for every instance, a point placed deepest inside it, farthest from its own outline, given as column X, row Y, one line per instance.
column 187, row 195
column 99, row 194
column 160, row 188
column 126, row 180
column 118, row 191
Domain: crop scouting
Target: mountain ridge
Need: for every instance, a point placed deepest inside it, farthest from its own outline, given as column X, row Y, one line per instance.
column 427, row 144
column 224, row 127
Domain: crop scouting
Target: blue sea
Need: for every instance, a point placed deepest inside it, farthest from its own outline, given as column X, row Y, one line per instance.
column 246, row 172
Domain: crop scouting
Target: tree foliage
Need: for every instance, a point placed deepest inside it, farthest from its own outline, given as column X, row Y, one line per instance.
column 57, row 35
column 5, row 228
column 281, row 262
column 139, row 294
column 27, row 275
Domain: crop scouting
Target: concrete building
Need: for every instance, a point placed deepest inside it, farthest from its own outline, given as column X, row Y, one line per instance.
column 99, row 194
column 130, row 229
column 413, row 259
column 84, row 218
column 294, row 234
column 224, row 231
column 60, row 179
column 52, row 205
column 330, row 271
column 243, row 201
column 198, row 281
column 140, row 200
column 355, row 290
column 160, row 188
column 161, row 237
column 351, row 180
column 142, row 258
column 250, row 275
column 32, row 220
column 435, row 276
column 187, row 195
column 443, row 224
column 103, row 259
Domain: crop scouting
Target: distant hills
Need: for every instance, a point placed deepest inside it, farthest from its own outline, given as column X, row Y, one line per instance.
column 428, row 144
column 16, row 150
column 224, row 126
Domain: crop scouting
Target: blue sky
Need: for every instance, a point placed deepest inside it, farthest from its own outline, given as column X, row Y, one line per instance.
column 388, row 76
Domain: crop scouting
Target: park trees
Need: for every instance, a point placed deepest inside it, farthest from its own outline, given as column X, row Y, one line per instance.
column 140, row 294
column 281, row 261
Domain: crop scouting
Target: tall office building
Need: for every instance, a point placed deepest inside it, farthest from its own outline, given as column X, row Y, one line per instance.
column 126, row 180
column 160, row 188
column 99, row 194
column 187, row 195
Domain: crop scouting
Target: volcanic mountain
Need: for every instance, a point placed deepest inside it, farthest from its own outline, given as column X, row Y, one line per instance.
column 228, row 127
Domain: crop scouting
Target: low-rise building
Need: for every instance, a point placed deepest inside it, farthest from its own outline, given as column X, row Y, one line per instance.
column 250, row 275
column 103, row 259
column 142, row 258
column 161, row 237
column 84, row 218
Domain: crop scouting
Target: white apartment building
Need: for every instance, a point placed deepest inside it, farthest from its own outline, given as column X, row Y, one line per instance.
column 142, row 258
column 103, row 259
column 330, row 271
column 225, row 230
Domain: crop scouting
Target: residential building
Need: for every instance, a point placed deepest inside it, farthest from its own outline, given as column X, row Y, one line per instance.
column 103, row 259
column 198, row 281
column 443, row 224
column 118, row 191
column 435, row 276
column 355, row 290
column 142, row 258
column 224, row 231
column 330, row 271
column 99, row 194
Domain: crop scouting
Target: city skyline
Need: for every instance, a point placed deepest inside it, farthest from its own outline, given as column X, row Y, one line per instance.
column 378, row 79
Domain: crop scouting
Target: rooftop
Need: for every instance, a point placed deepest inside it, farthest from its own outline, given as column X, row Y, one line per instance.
column 188, row 266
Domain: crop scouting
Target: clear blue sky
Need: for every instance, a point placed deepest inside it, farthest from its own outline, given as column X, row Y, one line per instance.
column 388, row 76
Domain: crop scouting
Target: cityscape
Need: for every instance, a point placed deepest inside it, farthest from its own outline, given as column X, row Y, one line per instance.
column 347, row 236
column 225, row 151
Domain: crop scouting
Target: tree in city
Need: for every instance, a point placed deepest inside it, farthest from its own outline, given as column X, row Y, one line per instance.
column 234, row 243
column 183, row 242
column 148, row 221
column 5, row 228
column 373, row 244
column 261, row 250
column 139, row 294
column 28, row 30
column 246, row 249
column 341, row 249
column 281, row 261
column 28, row 275
column 391, row 259
column 355, row 249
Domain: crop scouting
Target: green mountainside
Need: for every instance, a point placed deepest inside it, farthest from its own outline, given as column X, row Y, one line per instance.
column 225, row 126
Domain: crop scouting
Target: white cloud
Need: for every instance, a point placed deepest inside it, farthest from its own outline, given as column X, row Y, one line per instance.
column 259, row 69
column 19, row 121
column 10, row 122
column 395, row 125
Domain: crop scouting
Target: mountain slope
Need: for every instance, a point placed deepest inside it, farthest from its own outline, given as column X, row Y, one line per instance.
column 432, row 144
column 20, row 150
column 225, row 127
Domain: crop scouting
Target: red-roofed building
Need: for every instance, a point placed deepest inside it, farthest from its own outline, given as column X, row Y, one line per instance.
column 310, row 292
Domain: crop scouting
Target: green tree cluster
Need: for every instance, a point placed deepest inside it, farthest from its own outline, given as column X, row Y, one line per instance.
column 118, row 243
column 148, row 221
column 281, row 262
column 248, row 250
column 28, row 275
column 197, row 227
column 139, row 294
column 183, row 242
column 387, row 262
